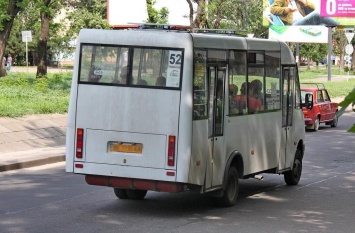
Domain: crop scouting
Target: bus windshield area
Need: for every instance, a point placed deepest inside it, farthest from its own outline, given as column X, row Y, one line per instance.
column 130, row 66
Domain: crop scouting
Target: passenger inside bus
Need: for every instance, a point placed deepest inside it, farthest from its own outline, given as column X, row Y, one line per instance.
column 257, row 88
column 142, row 82
column 161, row 81
column 233, row 103
column 254, row 104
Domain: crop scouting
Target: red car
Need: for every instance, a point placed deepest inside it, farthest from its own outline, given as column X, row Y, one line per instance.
column 323, row 110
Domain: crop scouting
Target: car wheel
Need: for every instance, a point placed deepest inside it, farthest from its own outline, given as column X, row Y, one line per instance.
column 293, row 176
column 230, row 194
column 120, row 193
column 334, row 121
column 316, row 124
column 136, row 194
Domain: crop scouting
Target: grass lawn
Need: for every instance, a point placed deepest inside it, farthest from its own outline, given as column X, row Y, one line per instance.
column 22, row 94
column 341, row 84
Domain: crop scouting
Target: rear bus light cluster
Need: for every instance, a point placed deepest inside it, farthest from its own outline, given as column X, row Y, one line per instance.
column 171, row 151
column 79, row 143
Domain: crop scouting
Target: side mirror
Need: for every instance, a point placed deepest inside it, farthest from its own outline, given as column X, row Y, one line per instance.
column 309, row 101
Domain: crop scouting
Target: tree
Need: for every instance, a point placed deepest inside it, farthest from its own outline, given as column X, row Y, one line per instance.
column 85, row 14
column 339, row 42
column 156, row 16
column 8, row 12
column 200, row 19
column 313, row 52
column 243, row 16
column 46, row 17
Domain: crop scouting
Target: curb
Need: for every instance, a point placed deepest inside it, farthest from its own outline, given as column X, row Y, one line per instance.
column 32, row 163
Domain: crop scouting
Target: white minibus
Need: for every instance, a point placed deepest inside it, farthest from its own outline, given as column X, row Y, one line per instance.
column 175, row 110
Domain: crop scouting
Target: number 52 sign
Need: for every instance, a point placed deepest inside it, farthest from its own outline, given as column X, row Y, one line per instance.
column 337, row 8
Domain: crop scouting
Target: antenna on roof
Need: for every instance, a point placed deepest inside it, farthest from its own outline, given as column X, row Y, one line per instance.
column 157, row 26
column 220, row 31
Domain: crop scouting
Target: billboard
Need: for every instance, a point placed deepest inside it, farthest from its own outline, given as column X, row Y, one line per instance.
column 308, row 12
column 122, row 12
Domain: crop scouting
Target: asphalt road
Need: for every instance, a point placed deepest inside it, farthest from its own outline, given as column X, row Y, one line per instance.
column 46, row 199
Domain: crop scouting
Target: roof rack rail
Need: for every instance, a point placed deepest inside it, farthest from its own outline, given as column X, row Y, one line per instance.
column 220, row 31
column 318, row 85
column 156, row 26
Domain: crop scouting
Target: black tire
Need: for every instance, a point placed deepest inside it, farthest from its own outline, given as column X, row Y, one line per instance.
column 120, row 193
column 334, row 121
column 293, row 177
column 316, row 124
column 136, row 194
column 230, row 194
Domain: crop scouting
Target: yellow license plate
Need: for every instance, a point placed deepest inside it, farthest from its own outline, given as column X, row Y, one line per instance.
column 125, row 147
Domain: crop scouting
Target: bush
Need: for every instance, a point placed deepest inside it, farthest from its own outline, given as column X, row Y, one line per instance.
column 23, row 94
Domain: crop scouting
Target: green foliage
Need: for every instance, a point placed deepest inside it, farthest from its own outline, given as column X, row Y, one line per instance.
column 313, row 51
column 156, row 16
column 349, row 100
column 243, row 16
column 86, row 17
column 23, row 94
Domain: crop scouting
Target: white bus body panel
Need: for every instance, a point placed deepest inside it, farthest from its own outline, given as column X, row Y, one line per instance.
column 156, row 114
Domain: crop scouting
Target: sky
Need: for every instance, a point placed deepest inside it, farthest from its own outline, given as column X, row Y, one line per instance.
column 121, row 12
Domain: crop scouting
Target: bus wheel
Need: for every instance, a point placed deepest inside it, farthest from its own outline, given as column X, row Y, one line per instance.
column 120, row 193
column 293, row 177
column 230, row 194
column 136, row 194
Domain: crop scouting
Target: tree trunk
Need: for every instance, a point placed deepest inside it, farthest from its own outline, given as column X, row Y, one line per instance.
column 191, row 14
column 197, row 23
column 42, row 46
column 12, row 10
column 342, row 44
column 353, row 59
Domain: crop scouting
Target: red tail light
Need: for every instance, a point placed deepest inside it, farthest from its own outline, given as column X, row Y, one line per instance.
column 171, row 151
column 79, row 143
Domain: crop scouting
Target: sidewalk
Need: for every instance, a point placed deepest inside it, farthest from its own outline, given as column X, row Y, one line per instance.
column 32, row 141
column 36, row 140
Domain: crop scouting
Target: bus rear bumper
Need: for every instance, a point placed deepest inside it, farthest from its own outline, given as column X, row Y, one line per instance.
column 132, row 183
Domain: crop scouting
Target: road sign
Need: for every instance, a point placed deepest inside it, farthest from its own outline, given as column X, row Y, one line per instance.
column 349, row 36
column 349, row 49
column 26, row 36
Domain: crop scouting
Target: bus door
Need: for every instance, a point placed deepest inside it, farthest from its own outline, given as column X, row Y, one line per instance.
column 286, row 150
column 215, row 161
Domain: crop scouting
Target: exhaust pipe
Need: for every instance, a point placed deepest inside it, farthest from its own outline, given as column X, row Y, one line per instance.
column 258, row 177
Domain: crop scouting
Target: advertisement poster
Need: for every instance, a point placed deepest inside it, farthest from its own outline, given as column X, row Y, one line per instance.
column 308, row 12
column 337, row 8
column 305, row 34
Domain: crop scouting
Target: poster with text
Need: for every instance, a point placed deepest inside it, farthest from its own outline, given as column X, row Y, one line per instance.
column 308, row 12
